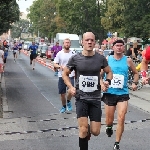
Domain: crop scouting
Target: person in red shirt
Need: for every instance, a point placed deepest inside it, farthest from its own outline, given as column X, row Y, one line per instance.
column 144, row 65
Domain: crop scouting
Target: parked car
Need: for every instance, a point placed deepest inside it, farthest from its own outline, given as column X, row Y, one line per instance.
column 107, row 52
column 43, row 50
column 39, row 49
column 27, row 45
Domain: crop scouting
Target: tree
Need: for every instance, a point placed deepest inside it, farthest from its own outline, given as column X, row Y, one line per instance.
column 9, row 11
column 129, row 18
column 137, row 16
column 82, row 16
column 113, row 19
column 44, row 17
column 21, row 26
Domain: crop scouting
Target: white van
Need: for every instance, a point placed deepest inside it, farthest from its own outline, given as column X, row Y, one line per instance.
column 75, row 41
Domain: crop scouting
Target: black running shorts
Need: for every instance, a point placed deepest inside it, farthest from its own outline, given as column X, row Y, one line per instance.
column 5, row 60
column 112, row 99
column 33, row 56
column 89, row 108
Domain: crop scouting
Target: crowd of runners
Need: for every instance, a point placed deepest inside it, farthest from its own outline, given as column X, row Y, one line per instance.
column 94, row 74
column 91, row 77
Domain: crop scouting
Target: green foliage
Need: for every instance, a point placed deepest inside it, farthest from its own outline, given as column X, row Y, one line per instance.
column 42, row 15
column 19, row 27
column 9, row 11
column 73, row 16
column 129, row 18
column 82, row 16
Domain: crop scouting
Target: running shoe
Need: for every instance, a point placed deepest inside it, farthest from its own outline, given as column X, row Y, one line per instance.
column 63, row 110
column 69, row 106
column 56, row 74
column 109, row 131
column 116, row 147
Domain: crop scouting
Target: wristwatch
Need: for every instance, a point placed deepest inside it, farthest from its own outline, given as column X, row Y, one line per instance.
column 136, row 83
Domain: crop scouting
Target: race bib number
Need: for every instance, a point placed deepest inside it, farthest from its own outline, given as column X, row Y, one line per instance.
column 88, row 83
column 117, row 81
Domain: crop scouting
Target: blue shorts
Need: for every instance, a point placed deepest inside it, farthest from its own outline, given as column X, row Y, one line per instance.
column 62, row 87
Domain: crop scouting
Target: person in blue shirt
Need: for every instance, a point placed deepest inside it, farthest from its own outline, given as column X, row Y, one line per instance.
column 15, row 50
column 33, row 49
column 20, row 47
column 116, row 96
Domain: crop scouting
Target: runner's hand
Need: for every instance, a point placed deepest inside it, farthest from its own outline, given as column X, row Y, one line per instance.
column 145, row 80
column 134, row 87
column 72, row 91
column 105, row 86
column 61, row 68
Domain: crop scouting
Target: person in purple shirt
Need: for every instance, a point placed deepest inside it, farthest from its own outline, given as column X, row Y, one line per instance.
column 55, row 49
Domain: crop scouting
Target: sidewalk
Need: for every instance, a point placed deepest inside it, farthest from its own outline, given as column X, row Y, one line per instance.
column 1, row 109
column 141, row 98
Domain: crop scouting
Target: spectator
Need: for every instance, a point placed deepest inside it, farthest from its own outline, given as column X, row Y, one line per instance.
column 55, row 49
column 1, row 61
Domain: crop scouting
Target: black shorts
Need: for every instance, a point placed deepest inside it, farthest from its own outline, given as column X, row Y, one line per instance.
column 20, row 49
column 112, row 99
column 89, row 108
column 5, row 60
column 33, row 56
column 62, row 86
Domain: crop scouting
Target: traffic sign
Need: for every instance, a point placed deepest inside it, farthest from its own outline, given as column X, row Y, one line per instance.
column 109, row 34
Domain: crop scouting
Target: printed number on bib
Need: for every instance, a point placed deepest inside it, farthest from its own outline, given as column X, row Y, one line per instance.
column 88, row 83
column 117, row 81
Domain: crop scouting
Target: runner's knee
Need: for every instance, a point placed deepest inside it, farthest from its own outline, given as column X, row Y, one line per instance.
column 83, row 130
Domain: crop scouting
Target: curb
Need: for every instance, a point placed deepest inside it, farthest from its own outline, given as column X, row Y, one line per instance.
column 4, row 99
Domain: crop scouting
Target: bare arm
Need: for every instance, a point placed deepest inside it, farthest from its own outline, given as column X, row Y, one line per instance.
column 105, row 84
column 133, row 69
column 56, row 65
column 144, row 64
column 109, row 73
column 66, row 78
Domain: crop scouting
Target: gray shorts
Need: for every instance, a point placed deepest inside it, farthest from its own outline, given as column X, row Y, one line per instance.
column 62, row 87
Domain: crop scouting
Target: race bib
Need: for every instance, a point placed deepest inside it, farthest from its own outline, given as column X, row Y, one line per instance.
column 88, row 83
column 117, row 81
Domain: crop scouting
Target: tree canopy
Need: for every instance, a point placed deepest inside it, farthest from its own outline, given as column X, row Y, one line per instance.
column 128, row 18
column 21, row 26
column 9, row 11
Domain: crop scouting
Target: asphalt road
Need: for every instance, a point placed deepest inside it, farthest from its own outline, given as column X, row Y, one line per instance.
column 32, row 120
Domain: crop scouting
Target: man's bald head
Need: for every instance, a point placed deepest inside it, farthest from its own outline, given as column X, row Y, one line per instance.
column 88, row 34
column 88, row 41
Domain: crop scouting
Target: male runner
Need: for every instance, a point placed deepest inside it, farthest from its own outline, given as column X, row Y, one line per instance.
column 60, row 62
column 87, row 91
column 33, row 49
column 117, row 95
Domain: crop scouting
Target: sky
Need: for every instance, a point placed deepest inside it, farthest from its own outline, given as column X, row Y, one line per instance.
column 23, row 5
